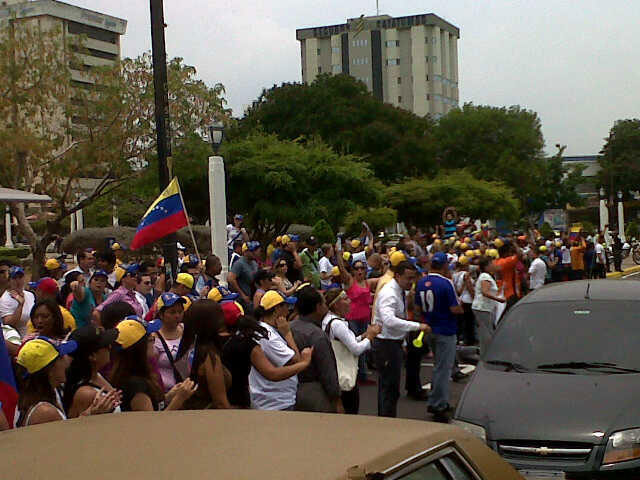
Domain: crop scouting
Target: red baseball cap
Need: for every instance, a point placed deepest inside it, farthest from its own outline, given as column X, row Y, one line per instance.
column 47, row 285
column 232, row 311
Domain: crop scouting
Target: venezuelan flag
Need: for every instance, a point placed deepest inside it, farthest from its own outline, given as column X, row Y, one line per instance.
column 8, row 392
column 166, row 215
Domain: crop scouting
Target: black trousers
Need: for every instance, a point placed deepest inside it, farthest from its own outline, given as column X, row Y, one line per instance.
column 412, row 382
column 351, row 401
column 388, row 358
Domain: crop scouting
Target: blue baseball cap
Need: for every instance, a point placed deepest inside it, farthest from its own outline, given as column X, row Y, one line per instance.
column 253, row 246
column 294, row 238
column 132, row 269
column 100, row 273
column 15, row 271
column 439, row 258
column 169, row 299
column 238, row 216
column 222, row 294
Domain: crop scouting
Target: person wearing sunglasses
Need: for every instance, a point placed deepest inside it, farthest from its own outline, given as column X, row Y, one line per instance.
column 281, row 280
column 42, row 369
column 84, row 381
column 143, row 290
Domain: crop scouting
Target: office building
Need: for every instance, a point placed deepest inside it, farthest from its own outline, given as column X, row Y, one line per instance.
column 410, row 62
column 102, row 31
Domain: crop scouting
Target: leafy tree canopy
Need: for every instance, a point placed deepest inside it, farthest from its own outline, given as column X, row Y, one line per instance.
column 620, row 158
column 339, row 109
column 276, row 183
column 420, row 201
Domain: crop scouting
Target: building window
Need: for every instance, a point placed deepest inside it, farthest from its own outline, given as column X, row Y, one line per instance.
column 433, row 40
column 336, row 68
column 392, row 43
column 427, row 78
column 319, row 69
column 393, row 61
column 335, row 49
column 428, row 97
column 92, row 32
column 399, row 80
column 360, row 43
column 399, row 99
column 434, row 59
column 318, row 51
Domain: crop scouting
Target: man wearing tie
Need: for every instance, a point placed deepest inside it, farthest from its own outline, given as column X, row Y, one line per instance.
column 391, row 314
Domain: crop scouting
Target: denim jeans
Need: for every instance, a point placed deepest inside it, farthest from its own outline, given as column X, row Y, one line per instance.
column 444, row 351
column 359, row 328
column 388, row 357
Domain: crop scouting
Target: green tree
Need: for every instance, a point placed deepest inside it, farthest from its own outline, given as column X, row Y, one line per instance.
column 421, row 201
column 276, row 183
column 341, row 111
column 323, row 231
column 377, row 218
column 620, row 158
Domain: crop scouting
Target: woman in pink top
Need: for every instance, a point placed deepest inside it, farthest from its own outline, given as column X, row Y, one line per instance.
column 359, row 290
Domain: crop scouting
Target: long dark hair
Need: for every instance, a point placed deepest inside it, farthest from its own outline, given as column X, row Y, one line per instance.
column 248, row 327
column 78, row 374
column 66, row 288
column 207, row 320
column 34, row 388
column 133, row 362
column 54, row 309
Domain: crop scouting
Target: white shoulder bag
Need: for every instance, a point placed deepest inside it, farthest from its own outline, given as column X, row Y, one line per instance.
column 346, row 361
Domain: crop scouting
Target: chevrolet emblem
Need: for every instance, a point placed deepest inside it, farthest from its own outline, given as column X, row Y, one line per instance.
column 543, row 451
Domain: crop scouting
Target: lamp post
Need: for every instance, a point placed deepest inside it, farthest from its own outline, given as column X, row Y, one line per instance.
column 161, row 97
column 218, row 199
column 7, row 227
column 621, row 218
column 604, row 213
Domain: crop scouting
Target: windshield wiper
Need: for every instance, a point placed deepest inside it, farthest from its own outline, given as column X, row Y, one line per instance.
column 587, row 365
column 516, row 367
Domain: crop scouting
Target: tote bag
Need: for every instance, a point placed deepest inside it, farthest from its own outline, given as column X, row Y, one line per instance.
column 346, row 361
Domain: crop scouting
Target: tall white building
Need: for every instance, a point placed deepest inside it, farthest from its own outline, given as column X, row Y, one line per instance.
column 410, row 62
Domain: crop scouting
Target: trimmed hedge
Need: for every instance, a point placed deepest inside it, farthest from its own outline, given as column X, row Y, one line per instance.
column 19, row 252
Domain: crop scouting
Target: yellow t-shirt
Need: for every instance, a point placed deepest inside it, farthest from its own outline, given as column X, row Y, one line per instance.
column 68, row 321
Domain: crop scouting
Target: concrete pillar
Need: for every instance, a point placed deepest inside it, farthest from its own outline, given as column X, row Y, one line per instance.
column 218, row 213
column 7, row 227
column 116, row 220
column 79, row 220
column 621, row 221
column 604, row 214
column 73, row 222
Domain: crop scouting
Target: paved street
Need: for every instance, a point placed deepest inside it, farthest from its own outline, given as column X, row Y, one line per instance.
column 408, row 408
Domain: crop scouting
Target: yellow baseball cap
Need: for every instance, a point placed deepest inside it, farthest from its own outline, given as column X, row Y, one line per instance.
column 244, row 247
column 52, row 264
column 116, row 246
column 498, row 242
column 279, row 239
column 285, row 239
column 132, row 329
column 493, row 253
column 36, row 354
column 119, row 273
column 396, row 258
column 464, row 246
column 543, row 249
column 355, row 243
column 335, row 271
column 221, row 294
column 457, row 243
column 463, row 260
column 185, row 279
column 272, row 299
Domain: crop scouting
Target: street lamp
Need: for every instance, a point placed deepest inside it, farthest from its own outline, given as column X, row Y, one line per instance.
column 216, row 135
column 621, row 233
column 604, row 212
column 218, row 199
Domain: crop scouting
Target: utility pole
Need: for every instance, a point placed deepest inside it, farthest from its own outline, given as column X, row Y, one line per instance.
column 169, row 248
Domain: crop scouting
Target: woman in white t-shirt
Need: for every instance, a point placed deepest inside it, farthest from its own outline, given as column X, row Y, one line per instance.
column 485, row 302
column 16, row 303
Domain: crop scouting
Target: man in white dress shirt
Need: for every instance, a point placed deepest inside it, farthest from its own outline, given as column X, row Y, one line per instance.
column 391, row 314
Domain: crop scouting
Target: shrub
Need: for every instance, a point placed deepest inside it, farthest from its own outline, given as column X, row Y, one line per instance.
column 19, row 252
column 323, row 232
column 546, row 231
column 632, row 230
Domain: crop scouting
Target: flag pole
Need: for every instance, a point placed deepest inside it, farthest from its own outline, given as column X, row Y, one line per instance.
column 193, row 239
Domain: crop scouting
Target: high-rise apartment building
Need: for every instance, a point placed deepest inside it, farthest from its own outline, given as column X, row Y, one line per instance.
column 410, row 62
column 102, row 32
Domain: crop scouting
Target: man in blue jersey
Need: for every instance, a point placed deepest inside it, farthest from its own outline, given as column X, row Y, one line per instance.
column 437, row 302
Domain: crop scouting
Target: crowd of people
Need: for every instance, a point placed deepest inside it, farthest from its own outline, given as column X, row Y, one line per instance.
column 297, row 326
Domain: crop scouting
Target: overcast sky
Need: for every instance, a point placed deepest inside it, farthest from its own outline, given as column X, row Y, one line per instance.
column 573, row 62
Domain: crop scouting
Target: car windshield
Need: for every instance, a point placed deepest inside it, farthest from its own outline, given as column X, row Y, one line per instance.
column 588, row 337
